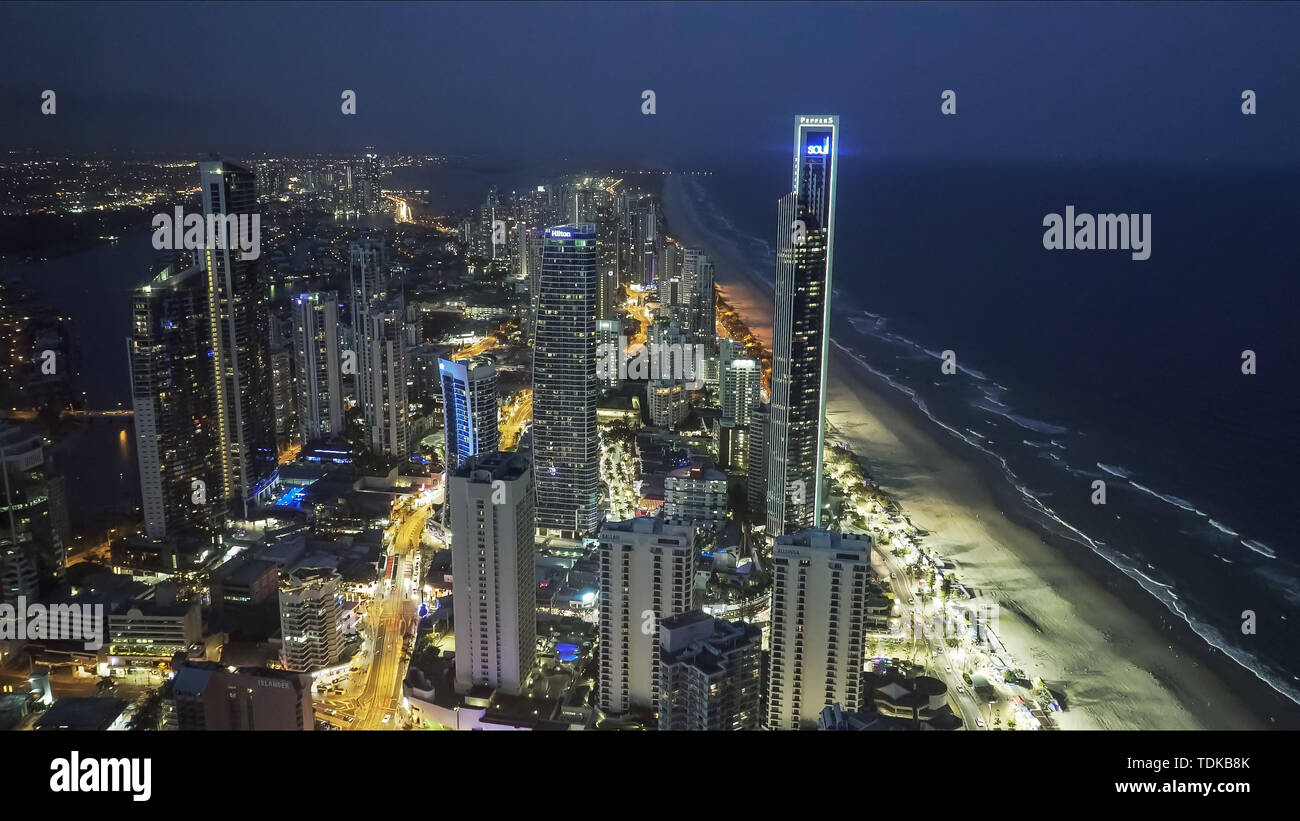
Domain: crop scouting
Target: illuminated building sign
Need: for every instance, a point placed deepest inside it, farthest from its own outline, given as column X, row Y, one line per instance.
column 820, row 149
column 565, row 234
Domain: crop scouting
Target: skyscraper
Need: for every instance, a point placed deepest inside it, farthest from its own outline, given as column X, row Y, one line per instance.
column 469, row 407
column 387, row 364
column 534, row 241
column 697, row 296
column 805, row 234
column 565, row 388
column 647, row 573
column 239, row 326
column 316, row 345
column 493, row 526
column 756, row 459
column 739, row 389
column 610, row 284
column 34, row 529
column 368, row 281
column 284, row 395
column 819, row 584
column 174, row 398
column 609, row 340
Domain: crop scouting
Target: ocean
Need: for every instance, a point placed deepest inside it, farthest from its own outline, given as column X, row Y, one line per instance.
column 1075, row 367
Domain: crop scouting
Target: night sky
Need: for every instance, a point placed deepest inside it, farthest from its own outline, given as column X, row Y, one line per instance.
column 1106, row 81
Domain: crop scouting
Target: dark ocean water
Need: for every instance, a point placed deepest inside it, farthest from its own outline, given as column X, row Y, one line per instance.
column 1077, row 366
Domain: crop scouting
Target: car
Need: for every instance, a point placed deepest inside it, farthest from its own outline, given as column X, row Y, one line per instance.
column 979, row 722
column 961, row 689
column 948, row 668
column 387, row 717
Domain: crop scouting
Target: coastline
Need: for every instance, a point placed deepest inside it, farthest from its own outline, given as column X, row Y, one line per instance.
column 1065, row 613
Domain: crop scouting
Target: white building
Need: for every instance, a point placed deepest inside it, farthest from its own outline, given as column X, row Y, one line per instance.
column 647, row 573
column 387, row 415
column 609, row 337
column 316, row 347
column 311, row 619
column 819, row 583
column 668, row 403
column 739, row 390
column 696, row 495
column 493, row 579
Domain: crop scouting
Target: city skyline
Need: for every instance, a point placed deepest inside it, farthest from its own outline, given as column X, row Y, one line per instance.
column 359, row 375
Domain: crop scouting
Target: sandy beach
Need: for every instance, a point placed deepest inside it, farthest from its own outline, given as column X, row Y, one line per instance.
column 1061, row 614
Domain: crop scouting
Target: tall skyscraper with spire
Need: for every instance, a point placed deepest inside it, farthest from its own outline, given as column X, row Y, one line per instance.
column 565, row 443
column 805, row 234
column 237, row 295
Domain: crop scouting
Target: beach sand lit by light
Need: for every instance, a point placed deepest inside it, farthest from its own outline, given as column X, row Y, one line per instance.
column 1060, row 621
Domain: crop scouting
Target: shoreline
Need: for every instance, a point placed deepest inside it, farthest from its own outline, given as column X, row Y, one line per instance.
column 1066, row 613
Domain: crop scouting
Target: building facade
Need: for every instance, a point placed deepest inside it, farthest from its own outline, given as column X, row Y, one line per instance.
column 470, row 408
column 493, row 577
column 388, row 414
column 316, row 346
column 311, row 619
column 709, row 676
column 565, row 386
column 239, row 326
column 209, row 696
column 647, row 573
column 819, row 582
column 805, row 234
column 173, row 396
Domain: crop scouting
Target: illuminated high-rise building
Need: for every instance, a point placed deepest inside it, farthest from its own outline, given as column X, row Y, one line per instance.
column 238, row 308
column 739, row 390
column 311, row 619
column 387, row 366
column 470, row 408
column 818, row 639
column 704, row 303
column 368, row 282
column 709, row 673
column 492, row 524
column 173, row 396
column 34, row 528
column 800, row 338
column 565, row 387
column 284, row 395
column 609, row 341
column 756, row 458
column 316, row 346
column 647, row 573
